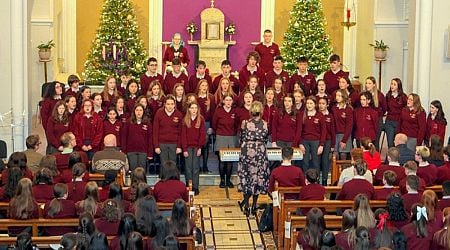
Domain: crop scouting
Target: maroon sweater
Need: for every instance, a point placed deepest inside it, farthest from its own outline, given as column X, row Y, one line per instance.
column 343, row 121
column 113, row 128
column 62, row 160
column 399, row 170
column 169, row 191
column 167, row 129
column 235, row 85
column 342, row 241
column 67, row 211
column 43, row 192
column 107, row 227
column 287, row 128
column 330, row 128
column 355, row 186
column 414, row 242
column 193, row 82
column 311, row 192
column 76, row 193
column 170, row 53
column 332, row 80
column 170, row 80
column 366, row 123
column 225, row 123
column 402, row 185
column 428, row 174
column 147, row 80
column 409, row 199
column 54, row 132
column 91, row 128
column 268, row 114
column 243, row 114
column 287, row 176
column 382, row 194
column 413, row 124
column 154, row 105
column 444, row 202
column 46, row 110
column 443, row 173
column 314, row 128
column 382, row 105
column 202, row 103
column 395, row 106
column 244, row 75
column 307, row 83
column 267, row 53
column 271, row 76
column 193, row 137
column 137, row 138
column 435, row 128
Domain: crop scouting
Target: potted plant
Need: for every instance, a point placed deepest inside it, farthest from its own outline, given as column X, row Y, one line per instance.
column 230, row 29
column 45, row 50
column 380, row 49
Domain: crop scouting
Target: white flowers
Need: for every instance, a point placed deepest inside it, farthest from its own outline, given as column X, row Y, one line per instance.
column 230, row 29
column 191, row 28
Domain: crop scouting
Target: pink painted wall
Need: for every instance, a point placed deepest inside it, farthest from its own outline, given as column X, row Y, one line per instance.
column 246, row 14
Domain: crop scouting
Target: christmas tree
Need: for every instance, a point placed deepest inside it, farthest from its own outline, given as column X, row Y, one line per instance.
column 117, row 45
column 306, row 36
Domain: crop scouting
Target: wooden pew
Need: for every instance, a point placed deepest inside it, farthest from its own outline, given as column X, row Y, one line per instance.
column 291, row 206
column 336, row 168
column 297, row 223
column 46, row 240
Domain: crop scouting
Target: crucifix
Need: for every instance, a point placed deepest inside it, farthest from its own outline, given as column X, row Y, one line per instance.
column 212, row 3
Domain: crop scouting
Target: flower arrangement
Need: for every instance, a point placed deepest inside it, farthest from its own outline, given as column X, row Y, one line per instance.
column 230, row 29
column 191, row 28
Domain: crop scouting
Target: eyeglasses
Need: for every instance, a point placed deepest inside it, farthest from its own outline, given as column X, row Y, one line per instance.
column 152, row 64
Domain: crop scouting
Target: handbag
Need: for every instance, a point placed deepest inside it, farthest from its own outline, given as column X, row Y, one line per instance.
column 266, row 221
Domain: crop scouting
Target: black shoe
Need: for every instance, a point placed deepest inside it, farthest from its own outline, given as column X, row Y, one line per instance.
column 196, row 192
column 241, row 205
column 253, row 211
column 230, row 184
column 222, row 184
column 246, row 211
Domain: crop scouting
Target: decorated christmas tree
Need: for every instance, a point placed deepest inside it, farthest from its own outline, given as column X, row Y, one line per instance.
column 306, row 36
column 117, row 45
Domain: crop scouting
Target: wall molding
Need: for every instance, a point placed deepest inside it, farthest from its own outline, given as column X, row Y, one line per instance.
column 391, row 24
column 42, row 22
column 155, row 30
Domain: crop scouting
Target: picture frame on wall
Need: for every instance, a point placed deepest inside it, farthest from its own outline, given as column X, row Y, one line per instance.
column 213, row 31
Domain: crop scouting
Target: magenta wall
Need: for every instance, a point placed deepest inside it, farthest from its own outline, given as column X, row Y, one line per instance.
column 246, row 14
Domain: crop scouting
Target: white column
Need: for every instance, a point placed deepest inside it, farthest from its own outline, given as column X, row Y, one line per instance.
column 156, row 28
column 422, row 50
column 267, row 15
column 69, row 12
column 349, row 53
column 19, row 72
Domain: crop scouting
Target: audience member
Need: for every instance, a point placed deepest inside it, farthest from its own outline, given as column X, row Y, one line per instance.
column 313, row 190
column 436, row 151
column 364, row 214
column 389, row 179
column 109, row 222
column 370, row 155
column 406, row 154
column 381, row 235
column 59, row 207
column 417, row 232
column 349, row 172
column 347, row 236
column 170, row 188
column 435, row 216
column 43, row 186
column 110, row 158
column 69, row 142
column 309, row 237
column 425, row 170
column 393, row 155
column 396, row 210
column 411, row 169
column 443, row 173
column 33, row 157
column 413, row 195
column 362, row 238
column 441, row 239
column 358, row 184
column 445, row 201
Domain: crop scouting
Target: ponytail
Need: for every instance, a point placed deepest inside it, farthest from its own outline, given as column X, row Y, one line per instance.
column 55, row 207
column 59, row 191
column 372, row 149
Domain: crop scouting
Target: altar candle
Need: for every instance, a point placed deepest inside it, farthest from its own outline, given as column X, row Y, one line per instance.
column 104, row 53
column 348, row 14
column 114, row 52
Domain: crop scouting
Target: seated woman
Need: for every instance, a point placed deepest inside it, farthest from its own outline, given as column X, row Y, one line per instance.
column 381, row 235
column 396, row 209
column 170, row 188
column 362, row 238
column 76, row 187
column 180, row 224
column 99, row 241
column 127, row 225
column 162, row 231
column 9, row 190
column 425, row 170
column 137, row 176
column 49, row 162
column 346, row 237
column 22, row 206
column 116, row 193
column 103, row 191
column 90, row 203
column 146, row 211
column 370, row 155
column 69, row 241
column 59, row 207
column 435, row 216
column 309, row 237
column 441, row 239
column 86, row 230
column 436, row 151
column 364, row 214
column 43, row 186
column 417, row 233
column 17, row 159
column 109, row 222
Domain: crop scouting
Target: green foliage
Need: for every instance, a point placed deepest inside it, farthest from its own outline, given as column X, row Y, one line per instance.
column 379, row 45
column 306, row 37
column 46, row 46
column 118, row 28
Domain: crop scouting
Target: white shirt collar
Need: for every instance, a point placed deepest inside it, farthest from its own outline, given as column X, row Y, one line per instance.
column 150, row 74
column 424, row 164
column 394, row 163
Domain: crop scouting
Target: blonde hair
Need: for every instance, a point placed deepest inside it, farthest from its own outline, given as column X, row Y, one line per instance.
column 256, row 108
column 423, row 152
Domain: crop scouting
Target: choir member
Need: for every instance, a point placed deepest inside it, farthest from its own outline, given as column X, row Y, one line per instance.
column 436, row 122
column 110, row 92
column 155, row 96
column 52, row 95
column 395, row 102
column 267, row 50
column 335, row 72
column 174, row 77
column 379, row 103
column 413, row 122
column 176, row 50
column 307, row 80
column 98, row 108
column 330, row 139
column 251, row 68
column 73, row 82
column 137, row 138
column 343, row 120
column 166, row 130
column 200, row 73
column 131, row 93
column 207, row 106
column 150, row 75
column 57, row 125
column 225, row 125
column 226, row 73
column 287, row 125
column 365, row 118
column 276, row 73
column 112, row 125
